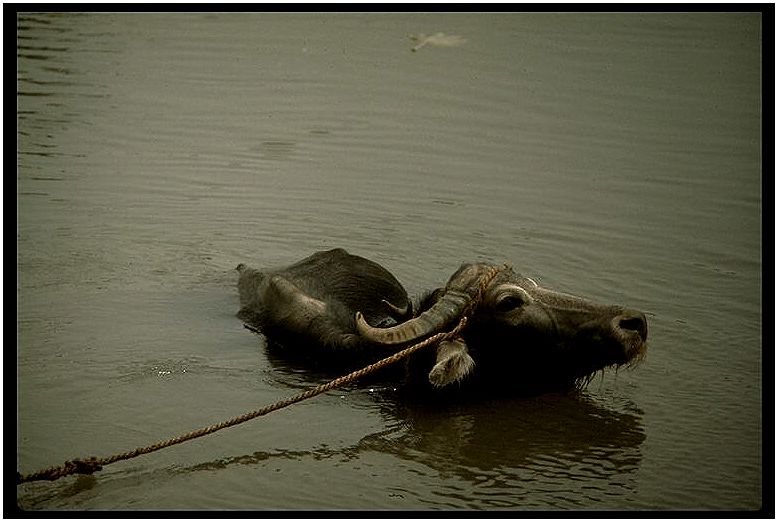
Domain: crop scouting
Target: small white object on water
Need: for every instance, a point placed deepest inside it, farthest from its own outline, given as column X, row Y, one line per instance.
column 437, row 39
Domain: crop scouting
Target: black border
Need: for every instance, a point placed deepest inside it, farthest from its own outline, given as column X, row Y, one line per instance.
column 10, row 507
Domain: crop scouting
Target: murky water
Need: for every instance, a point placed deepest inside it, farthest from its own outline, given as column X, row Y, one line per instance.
column 612, row 156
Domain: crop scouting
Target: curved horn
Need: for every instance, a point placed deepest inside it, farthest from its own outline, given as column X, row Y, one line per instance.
column 446, row 310
column 396, row 310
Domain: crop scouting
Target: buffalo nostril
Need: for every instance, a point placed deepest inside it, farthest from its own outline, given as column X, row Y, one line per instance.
column 636, row 322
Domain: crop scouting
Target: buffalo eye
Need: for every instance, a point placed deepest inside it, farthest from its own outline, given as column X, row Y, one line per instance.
column 509, row 302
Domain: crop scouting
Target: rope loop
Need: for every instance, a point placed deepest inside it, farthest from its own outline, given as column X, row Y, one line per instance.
column 89, row 465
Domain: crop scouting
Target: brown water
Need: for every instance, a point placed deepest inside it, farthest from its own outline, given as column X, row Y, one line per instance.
column 612, row 156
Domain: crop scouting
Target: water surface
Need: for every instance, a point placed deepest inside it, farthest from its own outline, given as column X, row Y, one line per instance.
column 615, row 156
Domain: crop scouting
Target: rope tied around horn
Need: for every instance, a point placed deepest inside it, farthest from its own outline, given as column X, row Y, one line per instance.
column 89, row 465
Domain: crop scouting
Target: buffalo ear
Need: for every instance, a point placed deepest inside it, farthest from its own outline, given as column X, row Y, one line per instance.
column 452, row 363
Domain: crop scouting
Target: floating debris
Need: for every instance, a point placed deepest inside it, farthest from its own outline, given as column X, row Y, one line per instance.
column 437, row 39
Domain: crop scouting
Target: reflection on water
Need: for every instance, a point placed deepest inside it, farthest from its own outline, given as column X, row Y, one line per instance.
column 501, row 448
column 517, row 432
column 505, row 447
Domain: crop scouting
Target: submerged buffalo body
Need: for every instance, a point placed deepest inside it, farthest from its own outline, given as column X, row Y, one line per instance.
column 520, row 336
column 312, row 304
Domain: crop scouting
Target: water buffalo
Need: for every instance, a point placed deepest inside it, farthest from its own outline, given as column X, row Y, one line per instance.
column 521, row 336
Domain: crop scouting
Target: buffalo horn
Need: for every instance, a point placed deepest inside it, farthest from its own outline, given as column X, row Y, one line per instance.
column 396, row 310
column 446, row 310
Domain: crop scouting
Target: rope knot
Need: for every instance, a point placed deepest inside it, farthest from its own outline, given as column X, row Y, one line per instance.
column 83, row 466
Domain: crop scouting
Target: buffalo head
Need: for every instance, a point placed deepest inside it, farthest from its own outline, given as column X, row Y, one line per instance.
column 520, row 335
